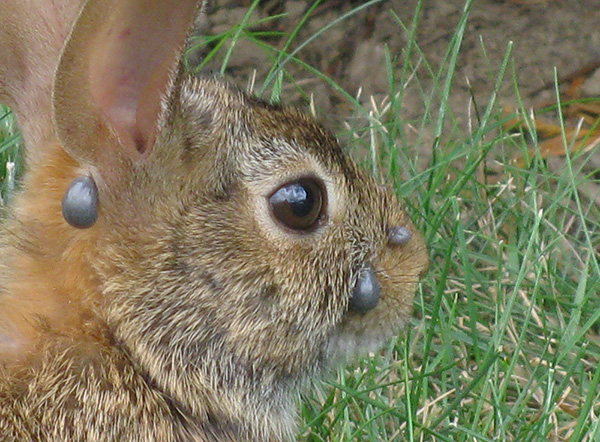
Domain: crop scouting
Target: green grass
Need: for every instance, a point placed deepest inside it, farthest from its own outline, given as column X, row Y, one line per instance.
column 505, row 340
column 10, row 159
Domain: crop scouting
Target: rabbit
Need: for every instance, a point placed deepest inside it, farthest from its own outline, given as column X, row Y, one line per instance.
column 182, row 257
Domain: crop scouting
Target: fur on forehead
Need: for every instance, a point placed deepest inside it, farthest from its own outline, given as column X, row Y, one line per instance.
column 251, row 129
column 283, row 158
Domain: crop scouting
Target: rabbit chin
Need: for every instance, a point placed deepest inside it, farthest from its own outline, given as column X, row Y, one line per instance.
column 346, row 344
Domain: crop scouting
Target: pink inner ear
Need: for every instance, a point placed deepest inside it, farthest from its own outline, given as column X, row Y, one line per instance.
column 134, row 54
column 123, row 121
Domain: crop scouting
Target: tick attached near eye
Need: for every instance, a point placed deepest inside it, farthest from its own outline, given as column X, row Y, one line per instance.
column 299, row 204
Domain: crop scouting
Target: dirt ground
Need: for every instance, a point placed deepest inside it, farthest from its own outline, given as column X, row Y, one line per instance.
column 545, row 34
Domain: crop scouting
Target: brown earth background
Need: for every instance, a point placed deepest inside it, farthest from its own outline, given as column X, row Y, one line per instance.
column 545, row 35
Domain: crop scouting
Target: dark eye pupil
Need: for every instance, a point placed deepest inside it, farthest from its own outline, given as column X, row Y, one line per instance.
column 297, row 205
column 300, row 199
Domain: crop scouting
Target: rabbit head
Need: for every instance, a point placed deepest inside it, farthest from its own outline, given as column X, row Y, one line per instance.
column 220, row 270
column 237, row 248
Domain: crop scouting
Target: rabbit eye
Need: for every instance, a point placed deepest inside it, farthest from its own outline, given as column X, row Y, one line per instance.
column 298, row 205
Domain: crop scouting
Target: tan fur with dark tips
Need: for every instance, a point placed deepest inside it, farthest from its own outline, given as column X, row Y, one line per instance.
column 186, row 313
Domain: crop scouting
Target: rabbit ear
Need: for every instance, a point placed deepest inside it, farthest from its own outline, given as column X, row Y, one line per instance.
column 114, row 71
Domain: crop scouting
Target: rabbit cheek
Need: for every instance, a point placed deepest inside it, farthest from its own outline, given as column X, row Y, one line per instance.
column 381, row 299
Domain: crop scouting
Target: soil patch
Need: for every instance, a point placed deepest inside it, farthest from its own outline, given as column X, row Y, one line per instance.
column 544, row 36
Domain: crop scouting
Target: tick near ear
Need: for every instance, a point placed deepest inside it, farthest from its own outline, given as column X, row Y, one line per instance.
column 80, row 203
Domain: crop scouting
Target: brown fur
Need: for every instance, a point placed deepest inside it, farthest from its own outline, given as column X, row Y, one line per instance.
column 186, row 312
column 33, row 33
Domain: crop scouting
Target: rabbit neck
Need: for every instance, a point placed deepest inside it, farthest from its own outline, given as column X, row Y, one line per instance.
column 208, row 386
column 49, row 288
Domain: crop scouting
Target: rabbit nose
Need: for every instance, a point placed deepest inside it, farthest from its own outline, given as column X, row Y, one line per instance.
column 365, row 295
